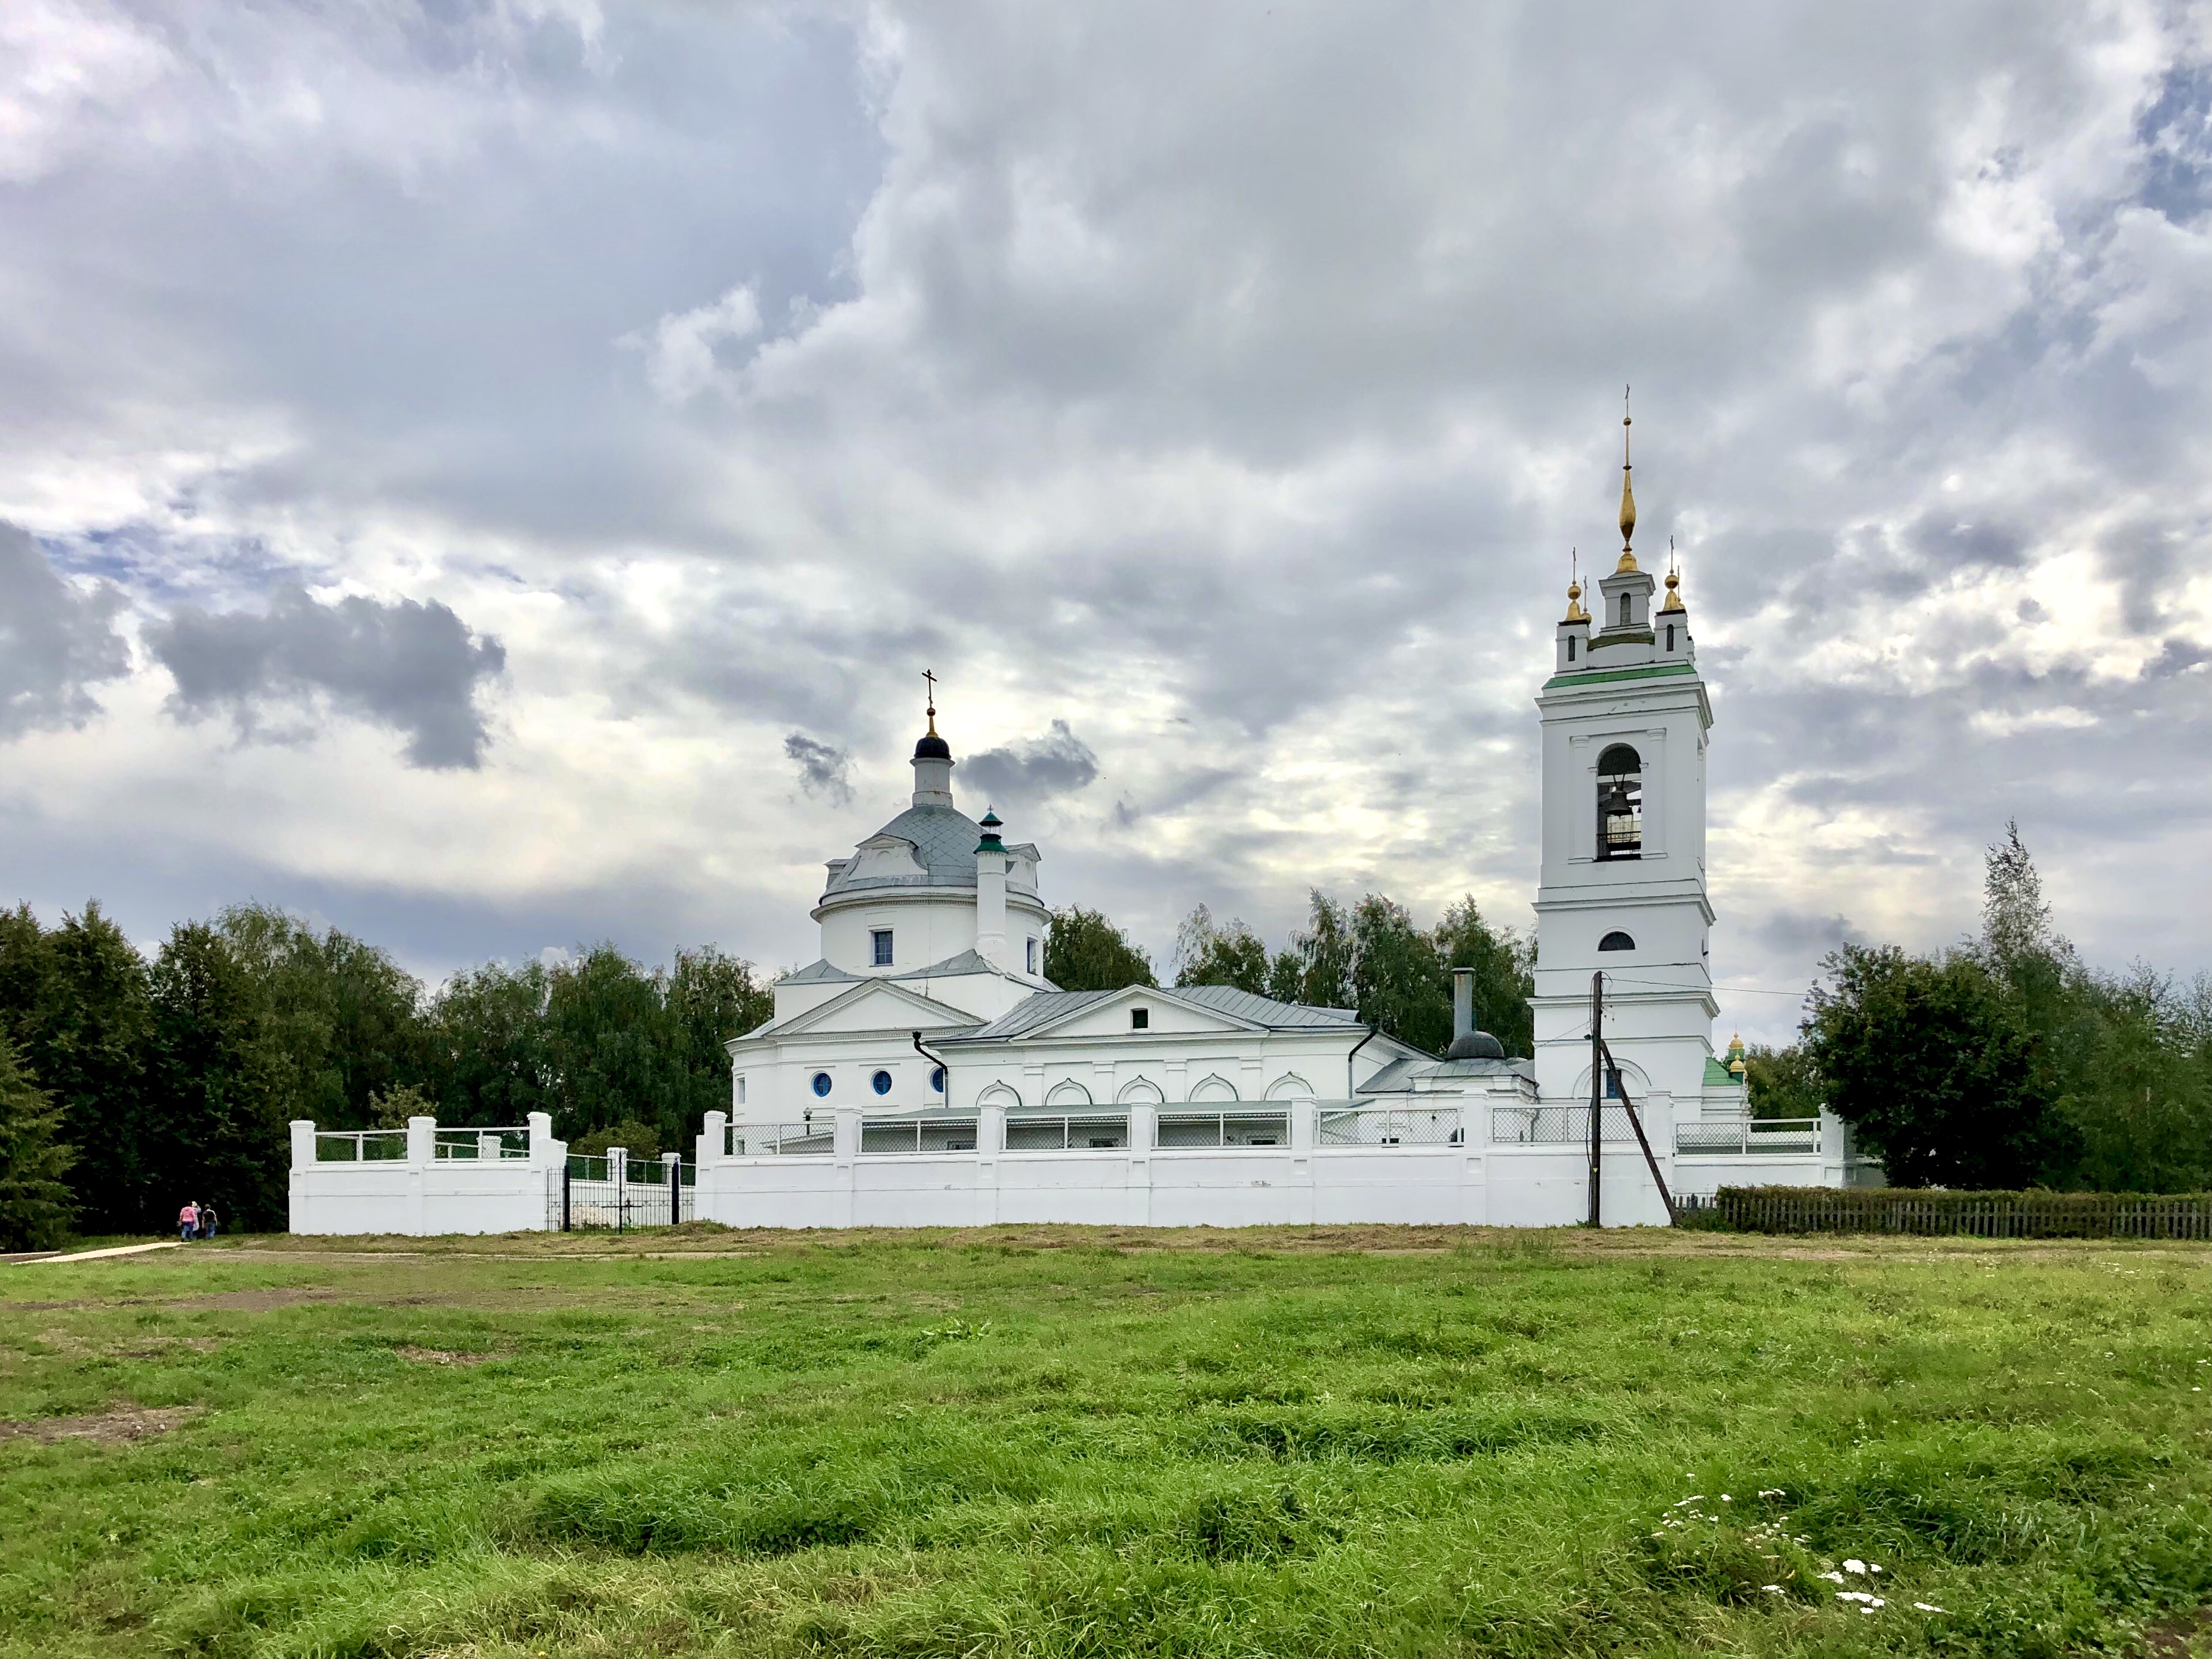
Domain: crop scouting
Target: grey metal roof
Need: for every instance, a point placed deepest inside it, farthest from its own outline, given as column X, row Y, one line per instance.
column 818, row 972
column 1397, row 1078
column 1263, row 1011
column 967, row 961
column 1046, row 1006
column 944, row 839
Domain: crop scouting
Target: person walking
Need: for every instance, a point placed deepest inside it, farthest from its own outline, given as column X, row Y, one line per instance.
column 208, row 1219
column 188, row 1222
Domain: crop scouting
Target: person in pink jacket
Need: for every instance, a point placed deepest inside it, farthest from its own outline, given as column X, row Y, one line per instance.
column 188, row 1222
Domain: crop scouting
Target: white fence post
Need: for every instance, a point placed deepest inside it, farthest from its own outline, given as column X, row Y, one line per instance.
column 303, row 1143
column 543, row 1149
column 1304, row 1114
column 714, row 1142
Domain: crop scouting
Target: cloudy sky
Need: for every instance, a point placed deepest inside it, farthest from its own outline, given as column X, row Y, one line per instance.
column 491, row 476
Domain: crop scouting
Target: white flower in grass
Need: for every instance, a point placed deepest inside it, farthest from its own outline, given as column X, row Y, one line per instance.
column 1854, row 1564
column 1929, row 1606
column 1775, row 1589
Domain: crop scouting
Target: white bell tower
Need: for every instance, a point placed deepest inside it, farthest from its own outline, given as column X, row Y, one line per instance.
column 1623, row 887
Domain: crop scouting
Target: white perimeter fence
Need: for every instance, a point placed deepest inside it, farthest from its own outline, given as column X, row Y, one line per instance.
column 1304, row 1162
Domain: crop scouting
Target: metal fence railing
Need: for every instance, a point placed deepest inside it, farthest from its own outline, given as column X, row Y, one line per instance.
column 361, row 1145
column 488, row 1145
column 1389, row 1126
column 1745, row 1136
column 918, row 1134
column 1555, row 1126
column 601, row 1192
column 780, row 1140
column 1089, row 1131
column 1181, row 1128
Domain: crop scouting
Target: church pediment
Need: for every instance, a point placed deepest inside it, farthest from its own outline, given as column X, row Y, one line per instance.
column 875, row 1005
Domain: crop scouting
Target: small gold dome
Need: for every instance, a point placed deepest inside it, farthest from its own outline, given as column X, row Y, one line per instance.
column 1674, row 598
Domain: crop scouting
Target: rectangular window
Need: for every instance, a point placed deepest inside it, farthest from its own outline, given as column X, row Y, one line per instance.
column 1140, row 1019
column 1032, row 955
column 741, row 1092
column 882, row 937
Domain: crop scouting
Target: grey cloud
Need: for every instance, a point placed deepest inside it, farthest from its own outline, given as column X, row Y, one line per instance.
column 824, row 769
column 1057, row 764
column 55, row 642
column 410, row 666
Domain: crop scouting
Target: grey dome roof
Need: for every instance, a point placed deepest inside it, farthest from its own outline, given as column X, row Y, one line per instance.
column 933, row 747
column 1475, row 1045
column 943, row 841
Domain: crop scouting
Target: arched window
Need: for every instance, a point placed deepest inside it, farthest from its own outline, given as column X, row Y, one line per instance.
column 1570, row 647
column 1670, row 636
column 1616, row 941
column 1623, row 610
column 1620, row 803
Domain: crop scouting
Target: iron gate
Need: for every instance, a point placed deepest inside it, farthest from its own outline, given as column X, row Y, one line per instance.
column 616, row 1193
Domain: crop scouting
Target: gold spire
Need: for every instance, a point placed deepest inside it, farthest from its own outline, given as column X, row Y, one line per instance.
column 932, row 678
column 1574, row 611
column 1627, row 494
column 1674, row 581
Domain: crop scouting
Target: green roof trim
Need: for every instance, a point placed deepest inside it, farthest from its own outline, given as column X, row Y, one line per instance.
column 1717, row 1074
column 1652, row 671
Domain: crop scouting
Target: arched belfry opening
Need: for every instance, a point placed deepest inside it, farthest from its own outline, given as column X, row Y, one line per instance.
column 1620, row 803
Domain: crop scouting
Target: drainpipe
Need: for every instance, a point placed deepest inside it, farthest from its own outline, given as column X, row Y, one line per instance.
column 938, row 1061
column 1351, row 1093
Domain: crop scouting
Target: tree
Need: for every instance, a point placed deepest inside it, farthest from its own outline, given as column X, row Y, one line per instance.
column 36, row 1206
column 1397, row 983
column 1317, row 967
column 1926, row 1060
column 1209, row 955
column 344, row 1021
column 1504, row 974
column 1085, row 951
column 87, row 1035
column 216, row 1131
column 1782, row 1082
column 491, row 1059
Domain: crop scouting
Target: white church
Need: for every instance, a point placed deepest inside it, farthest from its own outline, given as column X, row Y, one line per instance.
column 924, row 1072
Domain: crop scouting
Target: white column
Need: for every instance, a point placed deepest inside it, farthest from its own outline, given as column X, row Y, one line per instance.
column 1304, row 1115
column 421, row 1142
column 714, row 1142
column 1144, row 1134
column 543, row 1149
column 990, row 1141
column 990, row 1131
column 303, row 1143
column 991, row 905
column 421, row 1153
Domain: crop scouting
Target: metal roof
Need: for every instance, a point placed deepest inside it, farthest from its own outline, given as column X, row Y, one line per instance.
column 944, row 839
column 1046, row 1006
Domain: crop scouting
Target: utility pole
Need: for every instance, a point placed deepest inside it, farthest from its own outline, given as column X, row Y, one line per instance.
column 1597, row 1085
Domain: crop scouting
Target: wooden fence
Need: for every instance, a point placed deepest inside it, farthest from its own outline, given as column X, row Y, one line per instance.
column 1979, row 1215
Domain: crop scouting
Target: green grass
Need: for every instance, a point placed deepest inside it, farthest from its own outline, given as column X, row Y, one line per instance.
column 1063, row 1441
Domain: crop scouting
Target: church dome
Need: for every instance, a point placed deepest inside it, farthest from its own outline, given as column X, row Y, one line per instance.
column 933, row 747
column 1475, row 1045
column 942, row 840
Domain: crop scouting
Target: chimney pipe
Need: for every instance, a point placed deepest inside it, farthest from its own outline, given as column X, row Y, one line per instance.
column 1462, row 1005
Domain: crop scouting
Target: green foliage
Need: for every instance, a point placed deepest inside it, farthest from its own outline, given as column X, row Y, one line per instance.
column 2009, row 1060
column 1474, row 1445
column 1085, row 951
column 36, row 1206
column 1207, row 954
column 2035, row 1213
column 1926, row 1060
column 1782, row 1082
column 175, row 1080
column 1372, row 958
column 214, row 1127
column 643, row 1144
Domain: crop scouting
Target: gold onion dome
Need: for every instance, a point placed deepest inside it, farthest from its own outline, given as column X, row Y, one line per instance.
column 1674, row 581
column 1574, row 611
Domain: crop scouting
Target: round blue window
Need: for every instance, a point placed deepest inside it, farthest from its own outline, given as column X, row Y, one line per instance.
column 881, row 1082
column 936, row 1080
column 822, row 1083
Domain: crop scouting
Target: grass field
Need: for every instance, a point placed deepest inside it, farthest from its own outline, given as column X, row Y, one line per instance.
column 1071, row 1441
